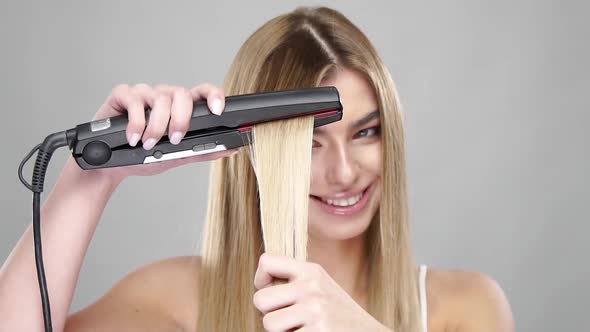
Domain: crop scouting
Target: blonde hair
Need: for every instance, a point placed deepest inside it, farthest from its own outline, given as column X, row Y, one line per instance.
column 281, row 156
column 296, row 50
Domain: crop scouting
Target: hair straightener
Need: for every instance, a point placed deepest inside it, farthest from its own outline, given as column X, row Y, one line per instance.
column 103, row 143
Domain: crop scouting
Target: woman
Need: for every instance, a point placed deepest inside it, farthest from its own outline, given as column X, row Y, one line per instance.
column 360, row 275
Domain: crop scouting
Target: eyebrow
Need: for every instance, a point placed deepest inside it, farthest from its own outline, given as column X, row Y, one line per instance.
column 366, row 119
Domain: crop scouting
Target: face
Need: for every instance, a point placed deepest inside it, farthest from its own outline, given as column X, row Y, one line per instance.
column 346, row 163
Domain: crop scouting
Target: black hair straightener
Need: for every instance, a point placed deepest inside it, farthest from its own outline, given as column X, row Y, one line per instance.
column 103, row 143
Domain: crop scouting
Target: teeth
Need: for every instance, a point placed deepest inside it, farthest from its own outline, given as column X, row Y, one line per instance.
column 343, row 202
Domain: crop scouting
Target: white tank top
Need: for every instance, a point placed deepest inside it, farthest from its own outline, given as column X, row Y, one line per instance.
column 423, row 304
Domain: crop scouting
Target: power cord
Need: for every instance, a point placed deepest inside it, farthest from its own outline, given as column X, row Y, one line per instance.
column 45, row 151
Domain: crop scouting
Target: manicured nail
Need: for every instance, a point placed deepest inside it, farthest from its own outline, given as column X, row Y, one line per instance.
column 175, row 138
column 134, row 139
column 216, row 106
column 149, row 144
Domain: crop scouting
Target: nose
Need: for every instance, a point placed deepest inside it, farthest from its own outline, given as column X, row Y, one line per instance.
column 342, row 170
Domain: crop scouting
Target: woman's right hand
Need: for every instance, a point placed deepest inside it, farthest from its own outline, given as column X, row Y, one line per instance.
column 171, row 106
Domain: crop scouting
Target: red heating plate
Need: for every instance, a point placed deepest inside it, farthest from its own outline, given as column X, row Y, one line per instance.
column 317, row 116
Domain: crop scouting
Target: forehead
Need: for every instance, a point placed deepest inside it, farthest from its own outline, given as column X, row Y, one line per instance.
column 357, row 95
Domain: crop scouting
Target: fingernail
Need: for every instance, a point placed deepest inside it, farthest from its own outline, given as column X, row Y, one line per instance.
column 216, row 106
column 175, row 138
column 149, row 144
column 134, row 139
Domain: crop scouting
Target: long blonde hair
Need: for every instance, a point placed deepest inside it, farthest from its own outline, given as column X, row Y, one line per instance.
column 296, row 50
column 281, row 157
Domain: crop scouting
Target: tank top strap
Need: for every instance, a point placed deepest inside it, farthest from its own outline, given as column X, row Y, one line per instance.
column 423, row 304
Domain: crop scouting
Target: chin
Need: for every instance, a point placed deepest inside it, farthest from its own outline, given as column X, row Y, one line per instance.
column 343, row 223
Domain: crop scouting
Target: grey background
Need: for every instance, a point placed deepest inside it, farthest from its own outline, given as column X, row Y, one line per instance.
column 496, row 102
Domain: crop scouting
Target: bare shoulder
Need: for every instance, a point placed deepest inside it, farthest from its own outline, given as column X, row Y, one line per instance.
column 461, row 300
column 160, row 296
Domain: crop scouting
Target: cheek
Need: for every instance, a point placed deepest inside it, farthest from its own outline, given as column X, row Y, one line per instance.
column 317, row 170
column 369, row 159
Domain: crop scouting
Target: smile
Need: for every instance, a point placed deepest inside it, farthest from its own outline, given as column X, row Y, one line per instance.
column 346, row 205
column 343, row 202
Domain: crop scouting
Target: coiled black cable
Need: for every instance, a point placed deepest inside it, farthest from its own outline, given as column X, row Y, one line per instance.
column 45, row 151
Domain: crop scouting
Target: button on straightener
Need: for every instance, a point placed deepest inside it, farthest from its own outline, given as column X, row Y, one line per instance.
column 103, row 143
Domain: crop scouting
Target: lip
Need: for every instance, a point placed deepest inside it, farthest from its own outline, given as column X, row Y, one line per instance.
column 346, row 210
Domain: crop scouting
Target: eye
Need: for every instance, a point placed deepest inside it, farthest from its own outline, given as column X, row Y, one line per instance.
column 368, row 132
column 315, row 144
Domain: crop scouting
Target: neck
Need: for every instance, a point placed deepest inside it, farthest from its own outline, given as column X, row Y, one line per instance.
column 344, row 261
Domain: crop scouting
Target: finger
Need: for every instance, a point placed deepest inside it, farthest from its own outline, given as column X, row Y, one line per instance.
column 274, row 266
column 148, row 95
column 146, row 92
column 180, row 110
column 167, row 88
column 180, row 114
column 278, row 296
column 123, row 99
column 158, row 120
column 215, row 96
column 284, row 319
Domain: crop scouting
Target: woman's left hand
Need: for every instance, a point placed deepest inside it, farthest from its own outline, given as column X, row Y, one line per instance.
column 310, row 301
